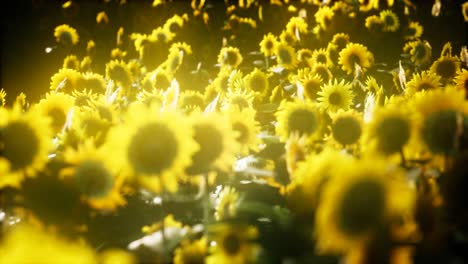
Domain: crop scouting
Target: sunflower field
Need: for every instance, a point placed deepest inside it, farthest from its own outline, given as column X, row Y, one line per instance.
column 246, row 131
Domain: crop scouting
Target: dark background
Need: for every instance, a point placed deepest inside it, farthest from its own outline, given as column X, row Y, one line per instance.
column 27, row 28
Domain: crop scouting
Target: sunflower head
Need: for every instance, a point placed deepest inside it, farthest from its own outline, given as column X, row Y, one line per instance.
column 310, row 85
column 461, row 80
column 446, row 67
column 268, row 44
column 340, row 40
column 66, row 35
column 440, row 131
column 420, row 52
column 285, row 56
column 323, row 72
column 193, row 252
column 119, row 72
column 257, row 81
column 162, row 35
column 347, row 127
column 246, row 127
column 71, row 62
column 226, row 203
column 355, row 54
column 390, row 20
column 422, row 81
column 174, row 24
column 302, row 117
column 57, row 107
column 288, row 38
column 336, row 95
column 230, row 57
column 374, row 23
column 324, row 17
column 414, row 30
column 65, row 80
column 321, row 56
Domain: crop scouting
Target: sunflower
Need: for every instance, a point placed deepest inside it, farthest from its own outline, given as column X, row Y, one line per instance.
column 191, row 100
column 94, row 176
column 119, row 72
column 233, row 244
column 268, row 44
column 321, row 56
column 25, row 141
column 285, row 56
column 390, row 20
column 296, row 149
column 340, row 40
column 93, row 81
column 57, row 107
column 84, row 97
column 446, row 67
column 336, row 95
column 118, row 54
column 102, row 18
column 162, row 35
column 191, row 252
column 420, row 52
column 390, row 129
column 347, row 127
column 93, row 123
column 414, row 30
column 310, row 178
column 304, row 55
column 309, row 85
column 247, row 128
column 297, row 25
column 2, row 97
column 66, row 35
column 153, row 147
column 323, row 72
column 302, row 117
column 174, row 24
column 173, row 61
column 355, row 54
column 461, row 80
column 359, row 200
column 257, row 81
column 288, row 38
column 181, row 46
column 85, row 64
column 374, row 23
column 324, row 17
column 238, row 98
column 464, row 10
column 230, row 57
column 71, row 62
column 226, row 203
column 216, row 141
column 65, row 80
column 422, row 81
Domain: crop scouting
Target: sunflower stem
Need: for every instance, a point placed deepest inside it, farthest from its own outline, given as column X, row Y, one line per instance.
column 266, row 63
column 206, row 202
column 403, row 158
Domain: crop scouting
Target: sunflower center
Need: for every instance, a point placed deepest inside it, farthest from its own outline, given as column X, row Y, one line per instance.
column 257, row 83
column 18, row 144
column 93, row 179
column 231, row 244
column 346, row 130
column 211, row 146
column 231, row 58
column 120, row 75
column 58, row 118
column 66, row 38
column 425, row 86
column 322, row 58
column 392, row 133
column 174, row 27
column 389, row 20
column 439, row 131
column 335, row 98
column 269, row 45
column 152, row 149
column 303, row 121
column 446, row 68
column 243, row 135
column 285, row 56
column 362, row 207
column 354, row 59
column 311, row 88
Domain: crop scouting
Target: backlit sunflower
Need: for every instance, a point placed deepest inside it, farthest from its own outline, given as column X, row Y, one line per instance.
column 390, row 129
column 191, row 252
column 119, row 72
column 414, row 30
column 94, row 176
column 310, row 85
column 153, row 147
column 257, row 81
column 302, row 117
column 374, row 24
column 93, row 123
column 181, row 46
column 422, row 81
column 464, row 10
column 347, row 127
column 288, row 38
column 446, row 67
column 230, row 57
column 71, row 62
column 216, row 141
column 321, row 56
column 93, row 82
column 57, row 107
column 173, row 61
column 324, row 17
column 353, row 54
column 340, row 40
column 233, row 244
column 420, row 52
column 162, row 35
column 296, row 25
column 174, row 24
column 304, row 55
column 238, row 98
column 2, row 97
column 358, row 201
column 192, row 100
column 268, row 44
column 226, row 203
column 246, row 127
column 66, row 35
column 336, row 95
column 461, row 80
column 86, row 64
column 390, row 20
column 25, row 141
column 65, row 80
column 285, row 56
column 323, row 72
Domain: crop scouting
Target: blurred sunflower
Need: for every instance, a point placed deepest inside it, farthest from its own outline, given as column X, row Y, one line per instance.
column 357, row 202
column 181, row 46
column 257, row 81
column 173, row 61
column 297, row 25
column 310, row 85
column 420, row 52
column 230, row 56
column 323, row 72
column 25, row 141
column 118, row 54
column 390, row 129
column 93, row 81
column 347, row 127
column 66, row 35
column 285, row 56
column 288, row 38
column 324, row 17
column 233, row 244
column 390, row 20
column 336, row 95
column 163, row 35
column 268, row 44
column 353, row 54
column 216, row 141
column 65, row 80
column 414, row 30
column 302, row 117
column 464, row 10
column 422, row 81
column 192, row 100
column 374, row 24
column 174, row 24
column 446, row 67
column 340, row 40
column 461, row 80
column 238, row 98
column 71, row 62
column 226, row 203
column 153, row 147
column 94, row 175
column 57, row 107
column 321, row 56
column 2, row 97
column 247, row 128
column 86, row 64
column 304, row 55
column 191, row 252
column 119, row 72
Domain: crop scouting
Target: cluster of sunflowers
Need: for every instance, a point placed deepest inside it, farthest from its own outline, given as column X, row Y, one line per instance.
column 307, row 141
